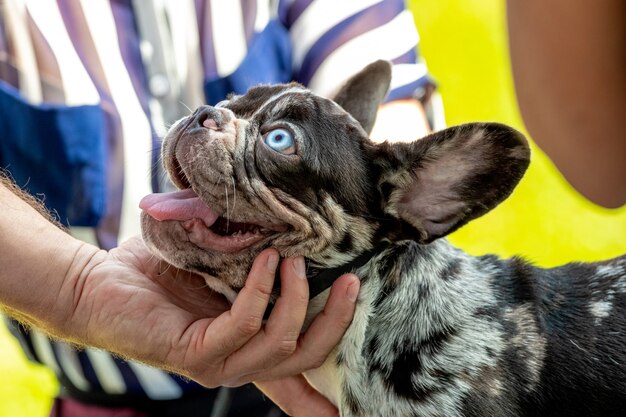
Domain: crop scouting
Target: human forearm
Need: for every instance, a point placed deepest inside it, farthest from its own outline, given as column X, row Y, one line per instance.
column 38, row 259
column 568, row 68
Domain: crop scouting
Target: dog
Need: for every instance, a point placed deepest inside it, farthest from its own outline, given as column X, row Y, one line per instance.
column 436, row 332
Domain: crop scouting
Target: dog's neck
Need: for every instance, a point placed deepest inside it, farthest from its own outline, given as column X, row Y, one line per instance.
column 321, row 279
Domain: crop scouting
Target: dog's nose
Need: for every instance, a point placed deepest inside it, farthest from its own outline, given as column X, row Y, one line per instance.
column 211, row 117
column 208, row 117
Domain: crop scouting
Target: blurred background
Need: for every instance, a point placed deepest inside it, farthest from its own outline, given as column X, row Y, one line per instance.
column 465, row 45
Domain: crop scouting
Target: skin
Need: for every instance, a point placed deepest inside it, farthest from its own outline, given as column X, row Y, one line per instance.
column 568, row 61
column 132, row 304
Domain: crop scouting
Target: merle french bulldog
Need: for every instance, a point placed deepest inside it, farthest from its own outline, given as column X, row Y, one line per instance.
column 436, row 332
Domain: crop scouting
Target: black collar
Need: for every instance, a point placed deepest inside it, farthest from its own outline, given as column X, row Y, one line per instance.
column 322, row 279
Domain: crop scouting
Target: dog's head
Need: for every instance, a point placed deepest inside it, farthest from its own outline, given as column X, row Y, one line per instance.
column 282, row 167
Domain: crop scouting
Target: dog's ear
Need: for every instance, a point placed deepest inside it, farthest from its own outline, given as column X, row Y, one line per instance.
column 439, row 183
column 364, row 92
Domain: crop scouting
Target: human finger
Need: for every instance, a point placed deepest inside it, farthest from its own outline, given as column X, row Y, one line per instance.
column 233, row 329
column 296, row 397
column 284, row 325
column 323, row 334
column 279, row 337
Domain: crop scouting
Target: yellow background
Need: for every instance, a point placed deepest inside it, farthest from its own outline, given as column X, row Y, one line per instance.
column 465, row 45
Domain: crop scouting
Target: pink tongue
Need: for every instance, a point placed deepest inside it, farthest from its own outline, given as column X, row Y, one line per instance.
column 178, row 205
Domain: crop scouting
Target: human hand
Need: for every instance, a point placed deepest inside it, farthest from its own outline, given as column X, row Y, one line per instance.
column 130, row 303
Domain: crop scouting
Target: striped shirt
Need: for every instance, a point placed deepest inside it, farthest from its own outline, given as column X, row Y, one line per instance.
column 87, row 88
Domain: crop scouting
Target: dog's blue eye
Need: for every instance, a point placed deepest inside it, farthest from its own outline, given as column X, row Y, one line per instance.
column 280, row 140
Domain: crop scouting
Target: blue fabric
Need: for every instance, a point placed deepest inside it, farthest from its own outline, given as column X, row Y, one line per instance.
column 268, row 61
column 57, row 153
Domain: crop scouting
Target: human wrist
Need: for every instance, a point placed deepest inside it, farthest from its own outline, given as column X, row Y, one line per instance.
column 70, row 312
column 39, row 260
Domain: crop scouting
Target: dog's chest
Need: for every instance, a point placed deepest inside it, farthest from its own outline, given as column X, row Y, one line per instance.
column 408, row 331
column 345, row 367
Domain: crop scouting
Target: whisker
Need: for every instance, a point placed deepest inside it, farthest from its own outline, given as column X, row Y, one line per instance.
column 166, row 269
column 163, row 178
column 234, row 193
column 185, row 106
column 227, row 206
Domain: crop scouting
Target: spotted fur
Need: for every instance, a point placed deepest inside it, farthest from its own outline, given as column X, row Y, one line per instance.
column 436, row 332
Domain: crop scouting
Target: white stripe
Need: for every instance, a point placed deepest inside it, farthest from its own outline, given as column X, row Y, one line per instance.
column 157, row 384
column 135, row 126
column 68, row 360
column 222, row 403
column 316, row 20
column 106, row 370
column 389, row 41
column 262, row 15
column 43, row 349
column 229, row 38
column 77, row 85
column 170, row 31
column 403, row 74
column 186, row 44
column 22, row 45
column 437, row 111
